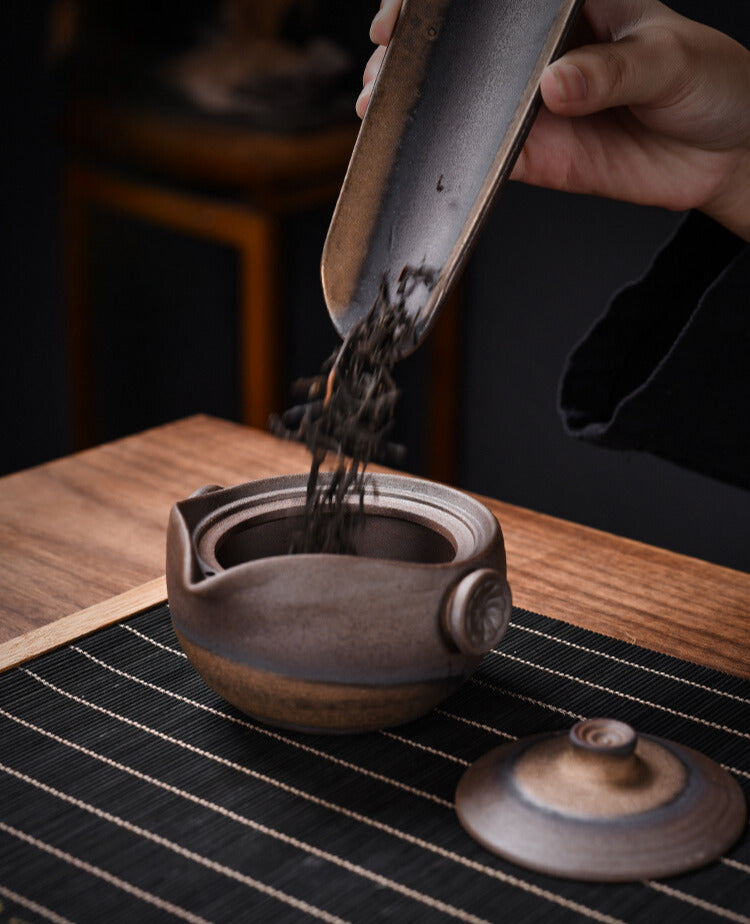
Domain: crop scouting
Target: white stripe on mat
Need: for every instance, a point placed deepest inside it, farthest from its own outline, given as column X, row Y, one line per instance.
column 538, row 632
column 473, row 723
column 32, row 906
column 699, row 902
column 538, row 702
column 640, row 667
column 629, row 696
column 357, row 768
column 424, row 747
column 104, row 875
column 371, row 822
column 526, row 699
column 198, row 858
column 268, row 733
column 450, row 715
column 357, row 870
column 497, row 874
column 147, row 638
column 174, row 651
column 589, row 683
column 354, row 868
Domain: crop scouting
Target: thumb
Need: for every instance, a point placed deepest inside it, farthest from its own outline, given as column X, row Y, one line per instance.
column 642, row 69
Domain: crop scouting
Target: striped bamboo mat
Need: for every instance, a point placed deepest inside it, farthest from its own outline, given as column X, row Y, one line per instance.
column 130, row 792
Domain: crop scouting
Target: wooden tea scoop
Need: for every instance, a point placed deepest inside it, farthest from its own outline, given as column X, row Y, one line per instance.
column 454, row 100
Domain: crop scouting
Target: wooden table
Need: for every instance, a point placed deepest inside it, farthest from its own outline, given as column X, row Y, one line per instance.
column 82, row 545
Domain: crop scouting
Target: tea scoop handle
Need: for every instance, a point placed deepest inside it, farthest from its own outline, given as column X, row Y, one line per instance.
column 455, row 97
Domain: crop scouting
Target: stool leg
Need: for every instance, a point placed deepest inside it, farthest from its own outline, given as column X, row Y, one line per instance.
column 75, row 298
column 259, row 321
column 254, row 234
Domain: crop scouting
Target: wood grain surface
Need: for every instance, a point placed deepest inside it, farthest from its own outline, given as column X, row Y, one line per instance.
column 80, row 530
column 62, row 631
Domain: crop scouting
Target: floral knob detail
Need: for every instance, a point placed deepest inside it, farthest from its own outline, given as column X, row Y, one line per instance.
column 478, row 612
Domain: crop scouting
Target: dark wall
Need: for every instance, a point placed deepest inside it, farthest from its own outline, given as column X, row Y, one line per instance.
column 32, row 371
column 543, row 271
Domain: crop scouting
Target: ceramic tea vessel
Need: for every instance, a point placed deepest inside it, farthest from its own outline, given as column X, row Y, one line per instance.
column 336, row 642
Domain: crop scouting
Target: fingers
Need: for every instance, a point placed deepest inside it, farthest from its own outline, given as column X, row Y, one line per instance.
column 368, row 80
column 384, row 21
column 643, row 59
column 373, row 65
column 380, row 33
column 612, row 19
column 363, row 100
column 651, row 67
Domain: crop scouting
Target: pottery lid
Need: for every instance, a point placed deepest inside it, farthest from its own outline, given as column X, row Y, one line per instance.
column 601, row 803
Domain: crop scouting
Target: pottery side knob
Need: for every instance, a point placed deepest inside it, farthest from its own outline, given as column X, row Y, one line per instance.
column 478, row 612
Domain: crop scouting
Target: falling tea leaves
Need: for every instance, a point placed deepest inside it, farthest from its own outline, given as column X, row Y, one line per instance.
column 349, row 412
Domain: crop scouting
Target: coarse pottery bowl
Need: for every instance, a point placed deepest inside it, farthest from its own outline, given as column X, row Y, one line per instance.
column 327, row 642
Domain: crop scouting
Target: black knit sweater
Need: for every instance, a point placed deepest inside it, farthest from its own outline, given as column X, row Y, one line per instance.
column 666, row 369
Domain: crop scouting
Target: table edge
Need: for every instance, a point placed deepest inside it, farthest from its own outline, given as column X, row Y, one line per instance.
column 69, row 628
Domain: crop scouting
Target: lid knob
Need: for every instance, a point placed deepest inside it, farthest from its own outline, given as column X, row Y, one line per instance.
column 604, row 736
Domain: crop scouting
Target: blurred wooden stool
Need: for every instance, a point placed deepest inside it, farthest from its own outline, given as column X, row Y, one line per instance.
column 148, row 165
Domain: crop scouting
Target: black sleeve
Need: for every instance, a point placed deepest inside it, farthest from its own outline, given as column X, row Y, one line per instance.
column 666, row 369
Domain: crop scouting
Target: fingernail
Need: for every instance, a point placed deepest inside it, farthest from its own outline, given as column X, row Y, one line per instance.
column 360, row 106
column 376, row 19
column 570, row 82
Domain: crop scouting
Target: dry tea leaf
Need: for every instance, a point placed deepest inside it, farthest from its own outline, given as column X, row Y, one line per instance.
column 349, row 412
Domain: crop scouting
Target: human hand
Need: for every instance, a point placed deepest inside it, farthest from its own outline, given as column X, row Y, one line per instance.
column 380, row 33
column 653, row 109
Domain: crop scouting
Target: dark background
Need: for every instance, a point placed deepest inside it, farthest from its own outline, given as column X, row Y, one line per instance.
column 543, row 270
